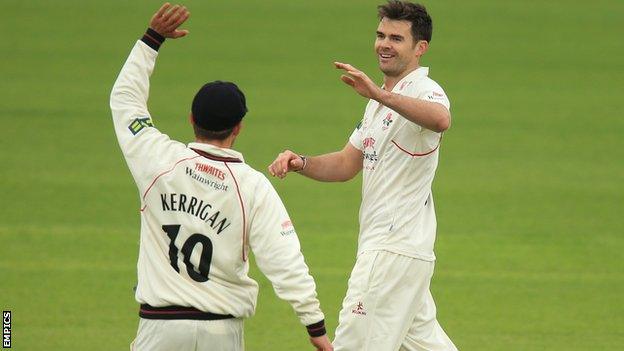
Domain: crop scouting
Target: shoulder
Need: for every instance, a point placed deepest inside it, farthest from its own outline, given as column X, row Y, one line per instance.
column 428, row 89
column 427, row 84
column 251, row 179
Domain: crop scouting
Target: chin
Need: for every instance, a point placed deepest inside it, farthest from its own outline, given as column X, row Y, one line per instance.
column 388, row 71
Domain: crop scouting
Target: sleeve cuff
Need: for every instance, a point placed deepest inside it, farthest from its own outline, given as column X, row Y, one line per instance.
column 153, row 39
column 317, row 329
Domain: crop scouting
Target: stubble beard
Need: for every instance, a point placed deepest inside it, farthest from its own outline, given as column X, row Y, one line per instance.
column 392, row 70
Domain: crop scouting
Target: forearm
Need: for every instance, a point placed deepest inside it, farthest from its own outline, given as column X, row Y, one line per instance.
column 430, row 115
column 131, row 89
column 277, row 251
column 293, row 283
column 332, row 167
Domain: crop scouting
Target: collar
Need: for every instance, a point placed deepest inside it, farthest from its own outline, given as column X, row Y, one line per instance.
column 216, row 153
column 414, row 75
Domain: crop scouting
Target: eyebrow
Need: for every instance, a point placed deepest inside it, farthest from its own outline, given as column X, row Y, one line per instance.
column 393, row 36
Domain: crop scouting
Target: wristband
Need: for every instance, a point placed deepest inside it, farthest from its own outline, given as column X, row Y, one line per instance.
column 317, row 329
column 153, row 39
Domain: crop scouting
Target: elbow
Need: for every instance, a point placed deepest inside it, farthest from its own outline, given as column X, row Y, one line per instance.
column 121, row 96
column 116, row 96
column 112, row 102
column 443, row 123
column 344, row 179
column 348, row 174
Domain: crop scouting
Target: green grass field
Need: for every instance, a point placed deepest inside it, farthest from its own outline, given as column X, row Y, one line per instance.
column 529, row 191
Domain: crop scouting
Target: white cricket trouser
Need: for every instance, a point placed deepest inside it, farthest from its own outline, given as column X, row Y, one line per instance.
column 189, row 335
column 388, row 307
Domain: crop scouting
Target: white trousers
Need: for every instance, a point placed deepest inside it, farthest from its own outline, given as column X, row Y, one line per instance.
column 388, row 307
column 189, row 335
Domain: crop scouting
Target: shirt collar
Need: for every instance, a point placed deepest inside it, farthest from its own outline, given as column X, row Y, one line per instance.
column 217, row 151
column 414, row 75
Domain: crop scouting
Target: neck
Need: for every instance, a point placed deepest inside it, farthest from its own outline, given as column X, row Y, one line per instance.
column 224, row 144
column 391, row 81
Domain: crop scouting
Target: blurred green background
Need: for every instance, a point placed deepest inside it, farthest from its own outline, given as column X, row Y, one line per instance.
column 529, row 191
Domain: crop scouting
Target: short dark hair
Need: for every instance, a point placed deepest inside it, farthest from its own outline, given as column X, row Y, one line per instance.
column 205, row 134
column 422, row 26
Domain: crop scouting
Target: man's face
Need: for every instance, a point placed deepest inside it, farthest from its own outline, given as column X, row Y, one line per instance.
column 395, row 47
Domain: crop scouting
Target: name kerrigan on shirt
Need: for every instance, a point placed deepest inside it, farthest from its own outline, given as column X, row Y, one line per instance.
column 195, row 207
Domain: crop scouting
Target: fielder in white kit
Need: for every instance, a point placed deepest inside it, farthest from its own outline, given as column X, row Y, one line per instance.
column 388, row 305
column 202, row 209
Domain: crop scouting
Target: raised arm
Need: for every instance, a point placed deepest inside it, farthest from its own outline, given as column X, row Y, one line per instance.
column 137, row 138
column 337, row 166
column 427, row 114
column 131, row 90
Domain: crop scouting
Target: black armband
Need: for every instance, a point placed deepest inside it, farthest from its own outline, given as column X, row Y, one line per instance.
column 153, row 39
column 317, row 329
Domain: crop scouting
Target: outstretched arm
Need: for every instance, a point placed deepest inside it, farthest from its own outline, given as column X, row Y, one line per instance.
column 337, row 166
column 430, row 115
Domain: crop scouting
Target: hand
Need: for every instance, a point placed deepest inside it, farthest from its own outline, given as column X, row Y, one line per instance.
column 322, row 343
column 167, row 20
column 359, row 81
column 285, row 162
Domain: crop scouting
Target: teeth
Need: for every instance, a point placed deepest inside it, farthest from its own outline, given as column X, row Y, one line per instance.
column 385, row 56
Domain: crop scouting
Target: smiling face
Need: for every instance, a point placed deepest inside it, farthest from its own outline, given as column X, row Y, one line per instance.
column 396, row 49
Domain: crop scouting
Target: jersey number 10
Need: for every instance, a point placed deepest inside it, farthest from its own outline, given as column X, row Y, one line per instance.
column 198, row 274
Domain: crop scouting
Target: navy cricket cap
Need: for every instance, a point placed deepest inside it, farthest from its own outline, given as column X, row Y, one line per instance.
column 218, row 106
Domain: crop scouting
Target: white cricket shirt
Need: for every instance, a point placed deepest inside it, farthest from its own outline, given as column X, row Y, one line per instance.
column 400, row 159
column 202, row 209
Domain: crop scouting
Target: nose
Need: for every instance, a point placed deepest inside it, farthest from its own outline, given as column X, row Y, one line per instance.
column 383, row 43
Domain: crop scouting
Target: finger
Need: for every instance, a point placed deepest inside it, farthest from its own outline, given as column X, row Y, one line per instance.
column 293, row 162
column 166, row 17
column 172, row 26
column 296, row 163
column 348, row 80
column 284, row 166
column 275, row 168
column 180, row 33
column 352, row 70
column 279, row 163
column 272, row 167
column 177, row 20
column 356, row 73
column 183, row 17
column 162, row 10
column 341, row 66
column 346, row 67
column 172, row 16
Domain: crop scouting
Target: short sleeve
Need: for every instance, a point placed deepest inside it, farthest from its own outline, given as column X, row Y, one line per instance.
column 434, row 93
column 356, row 137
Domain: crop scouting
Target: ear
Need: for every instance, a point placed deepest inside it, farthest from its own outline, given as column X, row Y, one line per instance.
column 237, row 128
column 191, row 119
column 421, row 47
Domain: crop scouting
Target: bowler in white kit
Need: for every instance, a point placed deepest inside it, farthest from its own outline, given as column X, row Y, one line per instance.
column 388, row 305
column 203, row 210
